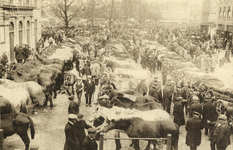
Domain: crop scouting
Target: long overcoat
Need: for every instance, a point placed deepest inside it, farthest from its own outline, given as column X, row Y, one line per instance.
column 178, row 114
column 193, row 128
column 72, row 142
column 209, row 113
column 79, row 129
column 167, row 97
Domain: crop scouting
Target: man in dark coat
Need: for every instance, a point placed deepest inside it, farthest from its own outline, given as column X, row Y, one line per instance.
column 167, row 97
column 4, row 59
column 185, row 95
column 19, row 54
column 142, row 88
column 209, row 113
column 89, row 89
column 155, row 91
column 72, row 142
column 86, row 71
column 178, row 112
column 26, row 52
column 79, row 127
column 193, row 128
column 89, row 142
column 196, row 106
column 220, row 135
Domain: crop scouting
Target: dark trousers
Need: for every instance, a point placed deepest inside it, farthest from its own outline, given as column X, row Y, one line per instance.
column 193, row 148
column 96, row 81
column 164, row 78
column 79, row 96
column 19, row 60
column 207, row 131
column 88, row 98
column 219, row 147
column 48, row 97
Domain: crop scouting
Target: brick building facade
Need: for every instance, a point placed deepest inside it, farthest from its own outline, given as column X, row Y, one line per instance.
column 20, row 23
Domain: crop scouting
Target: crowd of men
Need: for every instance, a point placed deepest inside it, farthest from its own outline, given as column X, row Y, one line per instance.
column 180, row 97
column 175, row 94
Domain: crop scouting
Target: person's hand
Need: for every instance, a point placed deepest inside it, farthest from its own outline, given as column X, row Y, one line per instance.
column 208, row 121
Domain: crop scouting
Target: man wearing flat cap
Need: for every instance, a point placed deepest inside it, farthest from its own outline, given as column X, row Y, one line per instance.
column 89, row 89
column 79, row 126
column 193, row 128
column 89, row 142
column 72, row 142
column 220, row 135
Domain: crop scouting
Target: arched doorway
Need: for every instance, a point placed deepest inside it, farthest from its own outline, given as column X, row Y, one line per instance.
column 11, row 36
column 28, row 33
column 20, row 33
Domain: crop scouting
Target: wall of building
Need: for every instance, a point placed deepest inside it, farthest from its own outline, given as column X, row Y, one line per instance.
column 28, row 14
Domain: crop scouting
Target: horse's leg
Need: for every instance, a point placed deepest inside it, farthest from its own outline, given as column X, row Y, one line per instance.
column 117, row 141
column 67, row 90
column 136, row 144
column 22, row 132
column 148, row 145
column 131, row 143
column 73, row 89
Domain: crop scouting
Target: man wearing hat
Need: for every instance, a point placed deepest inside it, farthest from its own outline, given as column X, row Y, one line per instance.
column 19, row 54
column 185, row 95
column 195, row 106
column 209, row 113
column 79, row 126
column 72, row 142
column 193, row 128
column 79, row 86
column 89, row 142
column 104, row 100
column 142, row 88
column 89, row 89
column 220, row 135
column 178, row 112
column 155, row 91
column 155, row 81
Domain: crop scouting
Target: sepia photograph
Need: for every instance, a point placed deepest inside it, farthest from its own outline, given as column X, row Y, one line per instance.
column 116, row 75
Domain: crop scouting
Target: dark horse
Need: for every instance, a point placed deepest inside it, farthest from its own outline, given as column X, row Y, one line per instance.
column 125, row 103
column 137, row 127
column 18, row 123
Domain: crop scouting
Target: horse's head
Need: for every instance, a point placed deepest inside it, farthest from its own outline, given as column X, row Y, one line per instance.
column 122, row 124
column 96, row 113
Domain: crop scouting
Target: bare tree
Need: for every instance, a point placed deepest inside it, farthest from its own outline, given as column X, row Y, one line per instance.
column 66, row 10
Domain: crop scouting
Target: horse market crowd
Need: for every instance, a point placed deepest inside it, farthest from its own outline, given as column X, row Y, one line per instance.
column 90, row 66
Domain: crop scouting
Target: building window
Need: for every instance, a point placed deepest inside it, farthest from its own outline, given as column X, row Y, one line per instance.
column 2, row 34
column 229, row 15
column 220, row 12
column 224, row 12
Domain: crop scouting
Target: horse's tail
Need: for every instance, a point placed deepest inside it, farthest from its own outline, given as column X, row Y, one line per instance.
column 32, row 128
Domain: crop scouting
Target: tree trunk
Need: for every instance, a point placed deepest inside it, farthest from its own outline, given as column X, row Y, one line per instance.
column 110, row 17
